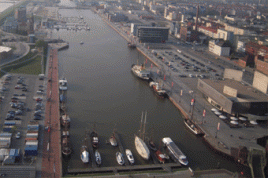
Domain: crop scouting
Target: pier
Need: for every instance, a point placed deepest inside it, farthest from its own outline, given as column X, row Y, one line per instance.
column 121, row 148
column 124, row 168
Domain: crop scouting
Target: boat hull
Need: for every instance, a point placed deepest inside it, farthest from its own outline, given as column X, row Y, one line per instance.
column 113, row 141
column 192, row 127
column 140, row 73
column 142, row 148
column 119, row 158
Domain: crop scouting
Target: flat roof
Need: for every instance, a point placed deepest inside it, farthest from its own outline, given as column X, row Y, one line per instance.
column 244, row 91
column 4, row 49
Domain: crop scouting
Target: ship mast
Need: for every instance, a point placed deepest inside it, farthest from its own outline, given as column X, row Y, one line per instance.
column 143, row 134
column 141, row 123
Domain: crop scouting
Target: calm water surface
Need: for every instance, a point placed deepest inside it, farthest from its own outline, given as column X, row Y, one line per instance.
column 102, row 90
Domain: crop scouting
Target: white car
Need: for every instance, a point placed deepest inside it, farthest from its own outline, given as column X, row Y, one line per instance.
column 18, row 135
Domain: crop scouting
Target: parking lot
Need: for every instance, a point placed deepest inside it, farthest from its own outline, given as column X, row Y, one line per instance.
column 183, row 66
column 22, row 102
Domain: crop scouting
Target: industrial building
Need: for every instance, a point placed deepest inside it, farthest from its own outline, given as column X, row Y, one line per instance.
column 233, row 96
column 152, row 34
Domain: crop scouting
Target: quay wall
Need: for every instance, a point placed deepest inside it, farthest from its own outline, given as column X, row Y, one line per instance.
column 211, row 141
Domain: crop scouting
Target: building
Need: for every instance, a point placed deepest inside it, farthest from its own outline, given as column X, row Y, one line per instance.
column 5, row 52
column 117, row 17
column 231, row 95
column 20, row 14
column 219, row 48
column 10, row 25
column 134, row 28
column 152, row 34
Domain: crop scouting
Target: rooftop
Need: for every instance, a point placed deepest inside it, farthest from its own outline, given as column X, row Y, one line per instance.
column 244, row 91
column 4, row 49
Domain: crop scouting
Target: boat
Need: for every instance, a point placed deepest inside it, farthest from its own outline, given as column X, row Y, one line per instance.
column 160, row 156
column 84, row 154
column 66, row 146
column 131, row 45
column 140, row 72
column 62, row 98
column 158, row 89
column 112, row 140
column 175, row 152
column 120, row 159
column 65, row 120
column 97, row 157
column 94, row 139
column 63, row 84
column 192, row 127
column 152, row 146
column 140, row 145
column 81, row 42
column 130, row 156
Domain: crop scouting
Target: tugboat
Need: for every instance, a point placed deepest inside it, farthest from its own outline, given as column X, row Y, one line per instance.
column 160, row 156
column 158, row 89
column 65, row 120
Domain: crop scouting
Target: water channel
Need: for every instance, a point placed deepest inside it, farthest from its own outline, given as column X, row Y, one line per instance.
column 102, row 90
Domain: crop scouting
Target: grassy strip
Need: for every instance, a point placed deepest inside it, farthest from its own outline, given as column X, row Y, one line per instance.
column 32, row 67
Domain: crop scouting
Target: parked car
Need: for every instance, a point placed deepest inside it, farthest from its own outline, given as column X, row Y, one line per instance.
column 17, row 87
column 17, row 118
column 18, row 112
column 18, row 135
column 37, row 118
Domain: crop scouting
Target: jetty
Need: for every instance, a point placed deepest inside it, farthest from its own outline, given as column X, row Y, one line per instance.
column 121, row 148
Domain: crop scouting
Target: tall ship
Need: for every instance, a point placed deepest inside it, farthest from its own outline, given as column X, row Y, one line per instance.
column 192, row 127
column 63, row 84
column 158, row 89
column 140, row 145
column 175, row 152
column 140, row 72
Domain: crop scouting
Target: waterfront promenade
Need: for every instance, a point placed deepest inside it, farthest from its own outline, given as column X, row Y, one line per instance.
column 182, row 91
column 51, row 158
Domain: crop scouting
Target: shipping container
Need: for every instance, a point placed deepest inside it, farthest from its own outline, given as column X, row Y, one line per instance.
column 3, row 153
column 4, row 143
column 30, row 138
column 31, row 142
column 32, row 135
column 7, row 128
column 31, row 150
column 9, row 123
column 5, row 134
column 32, row 131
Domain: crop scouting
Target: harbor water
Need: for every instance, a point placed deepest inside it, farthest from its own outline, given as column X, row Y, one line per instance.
column 103, row 91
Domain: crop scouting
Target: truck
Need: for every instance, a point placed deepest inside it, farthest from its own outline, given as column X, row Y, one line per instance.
column 31, row 150
column 174, row 151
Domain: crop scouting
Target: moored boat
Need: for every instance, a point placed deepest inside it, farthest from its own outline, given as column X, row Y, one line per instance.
column 63, row 84
column 140, row 72
column 152, row 146
column 112, row 140
column 131, row 45
column 130, row 156
column 142, row 148
column 160, row 156
column 192, row 127
column 97, row 157
column 84, row 154
column 175, row 152
column 94, row 139
column 66, row 146
column 65, row 120
column 158, row 89
column 119, row 158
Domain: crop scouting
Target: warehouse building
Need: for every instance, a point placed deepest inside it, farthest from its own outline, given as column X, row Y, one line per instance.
column 152, row 34
column 233, row 96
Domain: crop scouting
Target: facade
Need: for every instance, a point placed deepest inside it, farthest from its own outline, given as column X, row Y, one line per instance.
column 219, row 48
column 152, row 34
column 20, row 14
column 10, row 25
column 234, row 98
column 134, row 28
column 117, row 17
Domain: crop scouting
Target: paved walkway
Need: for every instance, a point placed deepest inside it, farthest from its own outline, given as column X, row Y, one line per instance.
column 51, row 162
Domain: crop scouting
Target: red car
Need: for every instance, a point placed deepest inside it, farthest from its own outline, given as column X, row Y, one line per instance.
column 17, row 87
column 38, row 99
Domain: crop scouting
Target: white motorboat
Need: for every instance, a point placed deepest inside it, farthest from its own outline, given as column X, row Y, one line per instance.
column 120, row 158
column 130, row 156
column 112, row 140
column 84, row 154
column 140, row 72
column 63, row 84
column 81, row 41
column 98, row 157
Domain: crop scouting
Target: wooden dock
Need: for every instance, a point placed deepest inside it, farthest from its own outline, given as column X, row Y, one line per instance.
column 121, row 148
column 91, row 151
column 125, row 168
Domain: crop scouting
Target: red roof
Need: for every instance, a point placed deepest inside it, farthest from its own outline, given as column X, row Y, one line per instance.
column 213, row 30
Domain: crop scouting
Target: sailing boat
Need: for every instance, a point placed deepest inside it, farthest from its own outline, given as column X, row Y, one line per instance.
column 140, row 145
column 140, row 71
column 84, row 151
